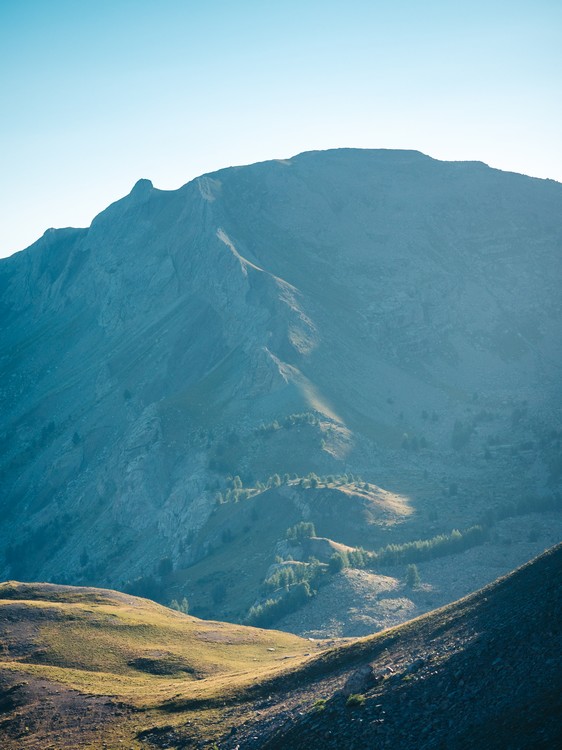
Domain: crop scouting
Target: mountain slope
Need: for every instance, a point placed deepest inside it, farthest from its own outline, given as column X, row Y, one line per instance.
column 371, row 312
column 84, row 665
column 483, row 671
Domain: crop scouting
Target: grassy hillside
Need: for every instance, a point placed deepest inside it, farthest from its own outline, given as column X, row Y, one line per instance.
column 243, row 557
column 85, row 668
column 139, row 655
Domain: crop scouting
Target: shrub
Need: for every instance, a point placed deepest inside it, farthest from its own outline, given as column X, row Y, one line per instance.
column 145, row 586
column 427, row 549
column 282, row 578
column 264, row 615
column 337, row 563
column 355, row 700
column 288, row 575
column 357, row 558
column 180, row 607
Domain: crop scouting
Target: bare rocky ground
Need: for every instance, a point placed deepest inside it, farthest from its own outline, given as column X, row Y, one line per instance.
column 37, row 714
column 358, row 602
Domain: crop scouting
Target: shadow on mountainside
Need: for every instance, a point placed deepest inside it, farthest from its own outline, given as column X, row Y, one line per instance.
column 484, row 672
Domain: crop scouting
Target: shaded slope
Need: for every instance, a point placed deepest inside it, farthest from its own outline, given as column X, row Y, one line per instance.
column 242, row 540
column 483, row 672
column 409, row 307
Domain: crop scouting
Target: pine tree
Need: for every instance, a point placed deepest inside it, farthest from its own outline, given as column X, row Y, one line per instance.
column 412, row 576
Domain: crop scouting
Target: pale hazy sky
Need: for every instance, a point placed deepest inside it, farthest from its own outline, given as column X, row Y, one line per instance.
column 95, row 94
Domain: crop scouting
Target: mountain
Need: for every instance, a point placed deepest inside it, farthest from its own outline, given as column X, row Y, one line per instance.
column 365, row 340
column 92, row 668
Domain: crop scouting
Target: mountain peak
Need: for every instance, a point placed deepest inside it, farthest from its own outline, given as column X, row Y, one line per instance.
column 142, row 187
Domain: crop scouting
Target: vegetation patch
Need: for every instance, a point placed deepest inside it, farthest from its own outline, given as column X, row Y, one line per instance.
column 427, row 549
column 166, row 664
column 264, row 615
column 355, row 700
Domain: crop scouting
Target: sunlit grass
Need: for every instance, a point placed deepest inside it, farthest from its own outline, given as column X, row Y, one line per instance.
column 94, row 645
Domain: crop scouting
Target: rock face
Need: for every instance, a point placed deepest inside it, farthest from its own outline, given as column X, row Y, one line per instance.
column 412, row 306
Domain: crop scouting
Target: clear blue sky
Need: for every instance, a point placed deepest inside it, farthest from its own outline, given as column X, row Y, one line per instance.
column 96, row 94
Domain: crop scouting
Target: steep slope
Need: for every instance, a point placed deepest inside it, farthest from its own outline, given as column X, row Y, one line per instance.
column 372, row 312
column 484, row 671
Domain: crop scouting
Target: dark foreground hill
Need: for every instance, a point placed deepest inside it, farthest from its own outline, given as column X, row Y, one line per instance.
column 372, row 313
column 484, row 672
column 85, row 668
